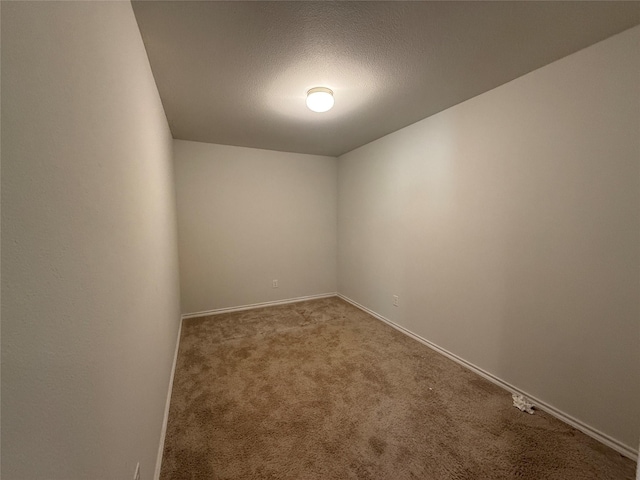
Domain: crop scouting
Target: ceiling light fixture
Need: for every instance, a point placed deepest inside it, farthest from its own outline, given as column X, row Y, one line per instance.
column 320, row 99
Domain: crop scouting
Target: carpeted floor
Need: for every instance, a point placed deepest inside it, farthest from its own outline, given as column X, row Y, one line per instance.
column 321, row 390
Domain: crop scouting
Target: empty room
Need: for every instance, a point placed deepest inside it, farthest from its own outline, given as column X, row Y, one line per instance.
column 320, row 240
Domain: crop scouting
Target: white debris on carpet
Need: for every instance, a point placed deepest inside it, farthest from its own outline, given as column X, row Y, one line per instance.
column 522, row 403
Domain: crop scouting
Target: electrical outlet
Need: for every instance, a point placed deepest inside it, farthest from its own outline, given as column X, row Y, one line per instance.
column 274, row 283
column 395, row 300
column 136, row 476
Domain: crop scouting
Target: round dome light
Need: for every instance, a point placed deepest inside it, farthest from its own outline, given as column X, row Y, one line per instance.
column 320, row 99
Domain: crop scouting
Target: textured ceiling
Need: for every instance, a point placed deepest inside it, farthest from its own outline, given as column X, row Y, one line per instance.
column 236, row 73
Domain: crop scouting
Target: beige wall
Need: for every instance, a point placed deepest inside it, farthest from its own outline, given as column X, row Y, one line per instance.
column 509, row 228
column 90, row 302
column 248, row 216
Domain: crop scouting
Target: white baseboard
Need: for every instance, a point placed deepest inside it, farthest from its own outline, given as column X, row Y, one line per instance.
column 163, row 432
column 618, row 446
column 218, row 311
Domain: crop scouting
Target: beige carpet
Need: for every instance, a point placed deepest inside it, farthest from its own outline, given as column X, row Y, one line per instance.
column 321, row 390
